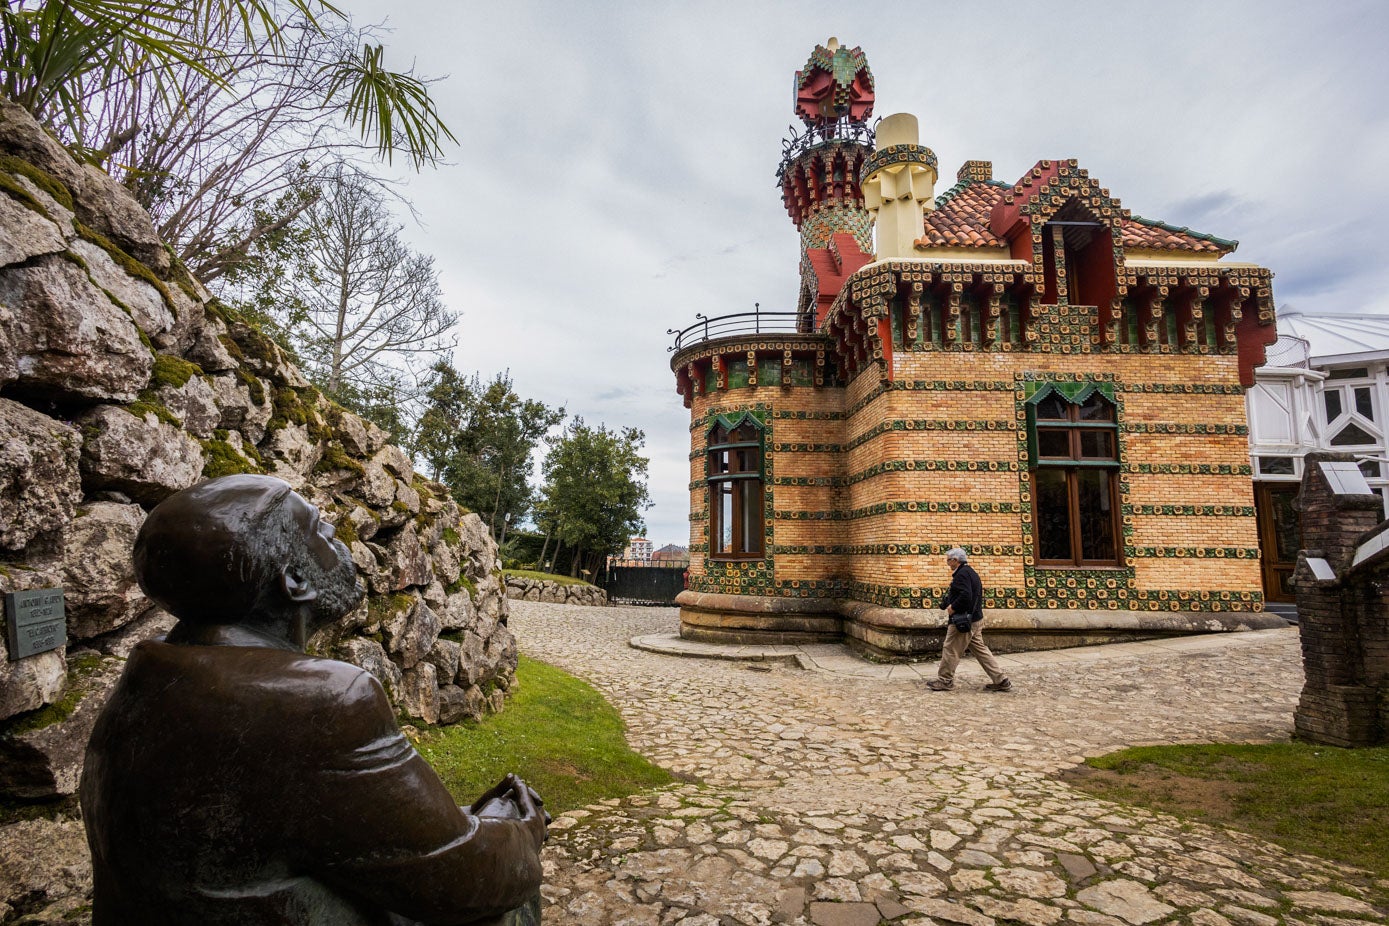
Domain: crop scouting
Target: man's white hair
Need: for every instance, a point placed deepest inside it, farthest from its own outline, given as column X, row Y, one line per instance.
column 957, row 554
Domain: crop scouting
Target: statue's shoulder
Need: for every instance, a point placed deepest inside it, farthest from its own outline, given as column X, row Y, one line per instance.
column 344, row 682
column 257, row 671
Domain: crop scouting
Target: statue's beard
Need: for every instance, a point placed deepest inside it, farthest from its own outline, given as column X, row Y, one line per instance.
column 339, row 590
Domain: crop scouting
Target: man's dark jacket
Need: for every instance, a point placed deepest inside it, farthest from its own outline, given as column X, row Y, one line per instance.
column 252, row 785
column 966, row 594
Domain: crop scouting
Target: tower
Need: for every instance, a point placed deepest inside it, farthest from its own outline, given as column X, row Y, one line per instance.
column 821, row 163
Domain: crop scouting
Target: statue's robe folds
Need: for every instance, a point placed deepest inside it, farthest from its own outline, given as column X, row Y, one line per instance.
column 250, row 785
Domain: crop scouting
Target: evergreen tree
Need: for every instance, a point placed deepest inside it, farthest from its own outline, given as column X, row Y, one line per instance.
column 478, row 438
column 595, row 490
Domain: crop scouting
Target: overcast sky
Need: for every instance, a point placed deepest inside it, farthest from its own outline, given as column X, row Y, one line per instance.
column 615, row 171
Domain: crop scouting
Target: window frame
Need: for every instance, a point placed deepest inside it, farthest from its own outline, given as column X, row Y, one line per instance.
column 1073, row 465
column 732, row 477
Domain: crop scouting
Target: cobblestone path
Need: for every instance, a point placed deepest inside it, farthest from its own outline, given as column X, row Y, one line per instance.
column 841, row 801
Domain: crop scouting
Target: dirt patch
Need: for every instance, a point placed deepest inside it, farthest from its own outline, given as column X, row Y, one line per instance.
column 1158, row 788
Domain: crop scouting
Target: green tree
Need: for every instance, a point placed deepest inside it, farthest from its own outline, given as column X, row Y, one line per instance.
column 210, row 110
column 478, row 439
column 594, row 491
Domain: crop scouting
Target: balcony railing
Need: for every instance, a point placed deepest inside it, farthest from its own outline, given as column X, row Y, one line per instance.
column 738, row 323
column 798, row 143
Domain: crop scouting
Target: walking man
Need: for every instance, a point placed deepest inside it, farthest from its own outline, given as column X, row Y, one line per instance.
column 964, row 607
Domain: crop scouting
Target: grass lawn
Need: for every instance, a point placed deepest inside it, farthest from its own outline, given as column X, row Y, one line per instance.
column 1320, row 800
column 557, row 733
column 544, row 577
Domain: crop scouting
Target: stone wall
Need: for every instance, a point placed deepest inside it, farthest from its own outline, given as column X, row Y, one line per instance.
column 524, row 589
column 121, row 382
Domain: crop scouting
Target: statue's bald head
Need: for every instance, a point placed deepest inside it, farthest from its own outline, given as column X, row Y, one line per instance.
column 209, row 553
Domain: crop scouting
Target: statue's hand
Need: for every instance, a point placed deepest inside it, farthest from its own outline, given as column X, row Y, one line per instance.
column 499, row 790
column 533, row 815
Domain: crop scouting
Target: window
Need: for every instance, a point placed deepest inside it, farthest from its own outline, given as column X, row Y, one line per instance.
column 735, row 490
column 1075, row 478
column 1277, row 466
column 1352, row 418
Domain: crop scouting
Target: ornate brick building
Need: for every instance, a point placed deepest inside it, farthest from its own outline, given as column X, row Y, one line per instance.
column 1023, row 369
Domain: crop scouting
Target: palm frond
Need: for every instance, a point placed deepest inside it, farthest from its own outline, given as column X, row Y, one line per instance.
column 393, row 109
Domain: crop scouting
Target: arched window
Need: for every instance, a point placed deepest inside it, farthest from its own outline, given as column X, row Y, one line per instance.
column 735, row 490
column 1074, row 447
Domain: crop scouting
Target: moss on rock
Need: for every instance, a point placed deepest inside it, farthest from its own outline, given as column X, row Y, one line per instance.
column 335, row 459
column 222, row 459
column 40, row 178
column 80, row 670
column 173, row 371
column 127, row 263
column 147, row 404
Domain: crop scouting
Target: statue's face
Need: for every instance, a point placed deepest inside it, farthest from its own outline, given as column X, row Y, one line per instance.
column 328, row 564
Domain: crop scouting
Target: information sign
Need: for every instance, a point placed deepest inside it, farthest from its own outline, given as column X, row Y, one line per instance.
column 35, row 622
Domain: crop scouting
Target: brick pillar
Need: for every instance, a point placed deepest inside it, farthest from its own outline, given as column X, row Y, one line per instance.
column 1343, row 608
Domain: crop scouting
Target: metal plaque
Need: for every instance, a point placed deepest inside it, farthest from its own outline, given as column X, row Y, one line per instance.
column 35, row 622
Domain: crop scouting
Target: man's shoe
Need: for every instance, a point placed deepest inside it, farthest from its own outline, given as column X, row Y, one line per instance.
column 936, row 684
column 1004, row 685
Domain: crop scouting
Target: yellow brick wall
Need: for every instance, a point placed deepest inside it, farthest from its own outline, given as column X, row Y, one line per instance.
column 894, row 555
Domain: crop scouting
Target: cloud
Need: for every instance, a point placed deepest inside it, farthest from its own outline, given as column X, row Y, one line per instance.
column 616, row 167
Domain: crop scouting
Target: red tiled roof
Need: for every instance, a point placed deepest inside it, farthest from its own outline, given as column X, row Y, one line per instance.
column 1138, row 232
column 961, row 217
column 962, row 213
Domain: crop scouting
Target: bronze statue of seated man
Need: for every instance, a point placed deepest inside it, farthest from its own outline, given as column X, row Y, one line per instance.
column 232, row 779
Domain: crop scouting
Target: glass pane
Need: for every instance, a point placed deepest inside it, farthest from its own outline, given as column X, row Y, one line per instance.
column 1053, row 408
column 1350, row 373
column 718, row 436
column 1053, row 443
column 1053, row 515
column 718, row 462
column 1096, row 515
column 1332, row 398
column 1097, row 445
column 744, row 434
column 1352, row 435
column 1363, row 402
column 750, row 522
column 1276, row 466
column 721, row 505
column 1285, row 525
column 1096, row 408
column 1370, row 468
column 747, row 461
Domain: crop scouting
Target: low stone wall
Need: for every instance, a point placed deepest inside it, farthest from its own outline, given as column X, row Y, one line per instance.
column 523, row 589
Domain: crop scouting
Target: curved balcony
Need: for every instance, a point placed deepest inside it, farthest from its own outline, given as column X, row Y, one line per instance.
column 737, row 324
column 841, row 130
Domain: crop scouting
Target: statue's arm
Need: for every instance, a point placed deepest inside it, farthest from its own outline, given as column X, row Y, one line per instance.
column 385, row 829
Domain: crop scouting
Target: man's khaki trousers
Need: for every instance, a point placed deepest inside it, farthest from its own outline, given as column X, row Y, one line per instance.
column 957, row 644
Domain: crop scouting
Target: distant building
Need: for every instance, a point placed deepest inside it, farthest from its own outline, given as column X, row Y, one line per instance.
column 671, row 555
column 638, row 550
column 1019, row 367
column 1325, row 387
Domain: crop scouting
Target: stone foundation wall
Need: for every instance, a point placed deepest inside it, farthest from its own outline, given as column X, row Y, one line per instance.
column 524, row 589
column 121, row 382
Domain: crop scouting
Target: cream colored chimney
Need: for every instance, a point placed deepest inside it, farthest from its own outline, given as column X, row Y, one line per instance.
column 899, row 184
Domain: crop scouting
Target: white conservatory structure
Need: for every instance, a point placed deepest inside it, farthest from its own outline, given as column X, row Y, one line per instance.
column 1325, row 387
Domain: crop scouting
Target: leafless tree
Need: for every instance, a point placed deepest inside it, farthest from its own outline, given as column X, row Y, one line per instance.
column 371, row 313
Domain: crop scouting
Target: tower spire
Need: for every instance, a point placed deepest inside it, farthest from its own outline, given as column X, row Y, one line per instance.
column 821, row 161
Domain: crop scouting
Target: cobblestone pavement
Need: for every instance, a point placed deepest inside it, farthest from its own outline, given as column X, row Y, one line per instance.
column 829, row 799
